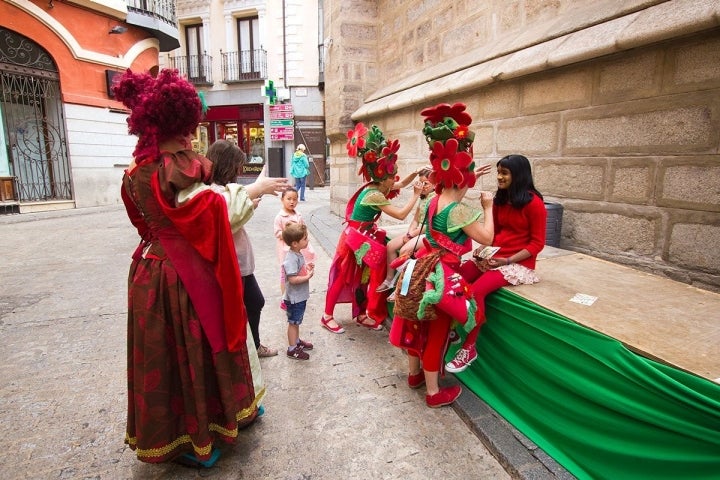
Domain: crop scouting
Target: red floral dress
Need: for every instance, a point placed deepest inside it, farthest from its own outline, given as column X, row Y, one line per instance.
column 186, row 391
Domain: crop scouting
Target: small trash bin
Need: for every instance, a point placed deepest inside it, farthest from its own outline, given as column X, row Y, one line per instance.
column 311, row 175
column 553, row 227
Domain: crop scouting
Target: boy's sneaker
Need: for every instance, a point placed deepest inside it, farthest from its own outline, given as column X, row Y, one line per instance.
column 305, row 345
column 297, row 353
column 464, row 357
column 454, row 337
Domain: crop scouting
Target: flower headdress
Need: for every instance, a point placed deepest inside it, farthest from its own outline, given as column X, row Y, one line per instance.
column 378, row 154
column 450, row 141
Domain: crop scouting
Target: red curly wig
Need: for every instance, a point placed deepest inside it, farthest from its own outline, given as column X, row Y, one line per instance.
column 161, row 108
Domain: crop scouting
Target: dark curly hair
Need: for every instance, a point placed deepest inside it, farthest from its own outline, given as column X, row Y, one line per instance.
column 160, row 108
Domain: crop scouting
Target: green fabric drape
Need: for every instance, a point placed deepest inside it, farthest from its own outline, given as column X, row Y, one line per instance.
column 600, row 410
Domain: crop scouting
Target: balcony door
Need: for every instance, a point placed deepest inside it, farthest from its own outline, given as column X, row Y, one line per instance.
column 196, row 68
column 249, row 46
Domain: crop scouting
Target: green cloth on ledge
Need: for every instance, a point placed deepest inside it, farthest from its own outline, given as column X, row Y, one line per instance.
column 600, row 410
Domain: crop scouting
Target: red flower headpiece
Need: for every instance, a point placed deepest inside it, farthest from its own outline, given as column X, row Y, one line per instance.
column 450, row 140
column 378, row 155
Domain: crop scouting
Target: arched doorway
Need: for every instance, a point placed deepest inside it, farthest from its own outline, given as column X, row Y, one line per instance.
column 35, row 159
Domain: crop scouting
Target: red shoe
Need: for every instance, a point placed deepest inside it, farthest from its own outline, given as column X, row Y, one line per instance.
column 417, row 380
column 361, row 319
column 324, row 322
column 463, row 358
column 445, row 396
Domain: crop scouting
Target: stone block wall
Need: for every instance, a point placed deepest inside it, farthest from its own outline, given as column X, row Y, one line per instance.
column 619, row 113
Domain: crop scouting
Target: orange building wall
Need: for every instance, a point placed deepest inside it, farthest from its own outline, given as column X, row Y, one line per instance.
column 81, row 82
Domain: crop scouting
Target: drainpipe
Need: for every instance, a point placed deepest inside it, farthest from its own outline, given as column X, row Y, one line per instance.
column 284, row 48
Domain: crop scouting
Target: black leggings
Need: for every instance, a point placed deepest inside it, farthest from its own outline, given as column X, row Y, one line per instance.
column 254, row 303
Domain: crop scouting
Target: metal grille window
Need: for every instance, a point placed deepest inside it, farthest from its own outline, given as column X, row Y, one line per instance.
column 32, row 121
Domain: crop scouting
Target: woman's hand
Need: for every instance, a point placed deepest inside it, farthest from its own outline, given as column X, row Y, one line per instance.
column 268, row 186
column 486, row 199
column 483, row 170
column 497, row 262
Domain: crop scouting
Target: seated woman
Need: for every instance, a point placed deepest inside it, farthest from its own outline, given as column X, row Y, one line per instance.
column 355, row 273
column 520, row 222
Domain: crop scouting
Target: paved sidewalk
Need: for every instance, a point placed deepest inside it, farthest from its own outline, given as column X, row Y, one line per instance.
column 347, row 413
column 519, row 455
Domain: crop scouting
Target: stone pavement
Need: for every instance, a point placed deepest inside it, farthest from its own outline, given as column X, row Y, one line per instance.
column 347, row 413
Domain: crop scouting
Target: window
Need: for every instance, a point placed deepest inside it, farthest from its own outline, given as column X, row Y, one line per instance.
column 195, row 53
column 249, row 45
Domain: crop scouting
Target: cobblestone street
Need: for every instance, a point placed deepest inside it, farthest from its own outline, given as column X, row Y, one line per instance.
column 345, row 413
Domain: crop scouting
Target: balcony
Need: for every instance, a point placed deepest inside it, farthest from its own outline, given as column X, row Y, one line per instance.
column 157, row 17
column 244, row 66
column 196, row 68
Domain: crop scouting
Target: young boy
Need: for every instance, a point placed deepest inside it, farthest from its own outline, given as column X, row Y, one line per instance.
column 297, row 287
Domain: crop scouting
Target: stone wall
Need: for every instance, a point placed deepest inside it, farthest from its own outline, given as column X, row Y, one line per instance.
column 617, row 106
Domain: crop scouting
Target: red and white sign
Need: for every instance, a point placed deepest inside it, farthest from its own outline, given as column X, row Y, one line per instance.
column 282, row 133
column 280, row 115
column 281, row 107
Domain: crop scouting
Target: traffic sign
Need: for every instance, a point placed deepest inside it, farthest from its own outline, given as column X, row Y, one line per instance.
column 282, row 136
column 281, row 123
column 280, row 115
column 281, row 107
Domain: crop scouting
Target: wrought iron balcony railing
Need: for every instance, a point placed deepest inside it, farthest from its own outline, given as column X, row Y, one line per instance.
column 158, row 17
column 244, row 66
column 197, row 68
column 162, row 9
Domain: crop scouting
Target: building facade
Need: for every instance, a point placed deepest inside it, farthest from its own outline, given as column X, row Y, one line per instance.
column 617, row 105
column 258, row 64
column 66, row 138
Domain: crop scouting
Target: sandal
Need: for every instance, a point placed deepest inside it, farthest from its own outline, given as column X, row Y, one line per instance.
column 385, row 286
column 360, row 320
column 263, row 351
column 324, row 322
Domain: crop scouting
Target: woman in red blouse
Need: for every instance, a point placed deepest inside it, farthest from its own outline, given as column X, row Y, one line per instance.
column 520, row 220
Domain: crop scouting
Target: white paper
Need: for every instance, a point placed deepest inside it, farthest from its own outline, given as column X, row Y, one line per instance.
column 583, row 299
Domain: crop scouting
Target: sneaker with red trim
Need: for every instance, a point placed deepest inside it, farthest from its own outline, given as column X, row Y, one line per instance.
column 297, row 353
column 305, row 345
column 464, row 357
column 445, row 396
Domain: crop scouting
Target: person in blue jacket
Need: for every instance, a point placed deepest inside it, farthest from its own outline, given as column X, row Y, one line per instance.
column 299, row 170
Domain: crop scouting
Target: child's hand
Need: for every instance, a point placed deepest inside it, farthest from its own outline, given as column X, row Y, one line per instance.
column 311, row 270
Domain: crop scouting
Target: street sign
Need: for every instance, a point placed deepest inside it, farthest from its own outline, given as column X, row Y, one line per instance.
column 280, row 115
column 281, row 107
column 282, row 136
column 281, row 123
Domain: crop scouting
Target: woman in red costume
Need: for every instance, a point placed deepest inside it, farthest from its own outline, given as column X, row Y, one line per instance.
column 450, row 227
column 189, row 382
column 353, row 277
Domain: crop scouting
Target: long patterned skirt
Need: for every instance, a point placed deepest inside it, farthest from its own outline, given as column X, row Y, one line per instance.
column 182, row 398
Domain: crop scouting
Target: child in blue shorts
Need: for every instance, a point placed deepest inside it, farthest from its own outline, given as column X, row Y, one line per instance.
column 297, row 287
